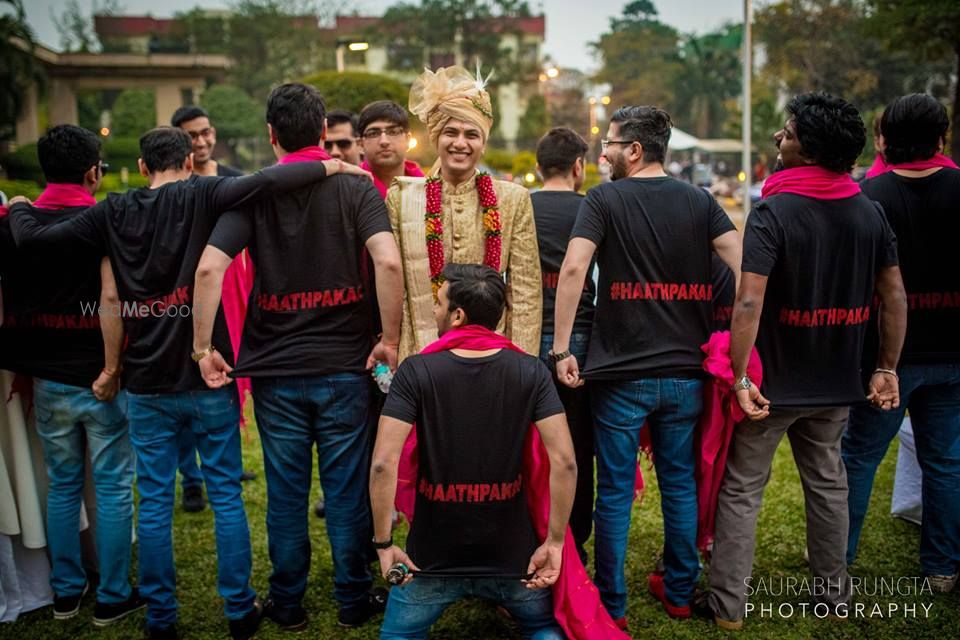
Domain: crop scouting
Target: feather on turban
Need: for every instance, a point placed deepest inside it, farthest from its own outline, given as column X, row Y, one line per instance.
column 450, row 93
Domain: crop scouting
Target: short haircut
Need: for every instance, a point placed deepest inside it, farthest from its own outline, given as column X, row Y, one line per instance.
column 67, row 152
column 650, row 126
column 478, row 290
column 381, row 110
column 165, row 148
column 830, row 130
column 558, row 151
column 913, row 127
column 186, row 114
column 297, row 114
column 339, row 116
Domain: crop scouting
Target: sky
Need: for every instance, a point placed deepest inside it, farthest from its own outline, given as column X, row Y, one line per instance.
column 571, row 24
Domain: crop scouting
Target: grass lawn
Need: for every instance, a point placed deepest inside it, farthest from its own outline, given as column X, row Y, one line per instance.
column 888, row 550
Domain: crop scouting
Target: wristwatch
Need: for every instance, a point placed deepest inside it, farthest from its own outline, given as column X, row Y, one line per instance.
column 386, row 544
column 557, row 357
column 197, row 356
column 743, row 382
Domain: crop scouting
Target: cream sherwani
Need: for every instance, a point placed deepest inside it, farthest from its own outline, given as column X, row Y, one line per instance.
column 464, row 242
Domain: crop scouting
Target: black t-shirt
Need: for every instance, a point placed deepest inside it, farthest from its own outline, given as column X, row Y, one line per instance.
column 925, row 216
column 724, row 293
column 154, row 238
column 472, row 417
column 51, row 298
column 555, row 213
column 225, row 171
column 309, row 313
column 821, row 257
column 654, row 308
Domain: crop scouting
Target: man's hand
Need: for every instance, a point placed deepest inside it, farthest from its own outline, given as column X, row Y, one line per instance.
column 753, row 403
column 215, row 370
column 334, row 167
column 383, row 352
column 568, row 372
column 545, row 565
column 106, row 386
column 884, row 390
column 394, row 555
column 18, row 200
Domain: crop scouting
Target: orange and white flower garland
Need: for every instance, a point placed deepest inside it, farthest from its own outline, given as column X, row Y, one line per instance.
column 433, row 219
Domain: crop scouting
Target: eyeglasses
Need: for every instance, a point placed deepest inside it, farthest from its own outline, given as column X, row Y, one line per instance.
column 342, row 144
column 104, row 167
column 605, row 143
column 392, row 132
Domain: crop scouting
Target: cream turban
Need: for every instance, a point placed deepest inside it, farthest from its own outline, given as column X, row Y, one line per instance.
column 451, row 92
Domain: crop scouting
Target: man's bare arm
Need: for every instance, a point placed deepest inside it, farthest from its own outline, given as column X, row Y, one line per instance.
column 388, row 268
column 107, row 384
column 743, row 335
column 573, row 272
column 207, row 290
column 391, row 434
column 884, row 388
column 730, row 249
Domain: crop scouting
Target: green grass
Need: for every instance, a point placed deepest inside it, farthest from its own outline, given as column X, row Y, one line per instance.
column 888, row 549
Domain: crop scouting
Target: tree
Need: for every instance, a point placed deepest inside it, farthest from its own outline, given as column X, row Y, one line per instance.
column 233, row 112
column 18, row 69
column 534, row 122
column 709, row 76
column 928, row 30
column 133, row 113
column 75, row 26
column 639, row 56
column 354, row 90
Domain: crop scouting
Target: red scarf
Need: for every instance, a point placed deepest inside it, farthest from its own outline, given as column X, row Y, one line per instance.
column 64, row 196
column 410, row 169
column 811, row 181
column 576, row 601
column 307, row 154
column 880, row 165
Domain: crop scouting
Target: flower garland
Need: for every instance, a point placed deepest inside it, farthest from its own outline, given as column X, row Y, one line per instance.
column 492, row 228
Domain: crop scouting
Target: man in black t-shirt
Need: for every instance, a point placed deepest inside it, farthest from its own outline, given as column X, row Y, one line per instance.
column 307, row 348
column 920, row 198
column 560, row 161
column 814, row 252
column 472, row 532
column 196, row 122
column 653, row 237
column 154, row 237
column 60, row 329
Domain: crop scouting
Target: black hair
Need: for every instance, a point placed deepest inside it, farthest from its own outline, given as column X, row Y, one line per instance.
column 339, row 116
column 67, row 152
column 380, row 110
column 913, row 127
column 297, row 113
column 186, row 114
column 478, row 290
column 558, row 151
column 165, row 148
column 650, row 126
column 830, row 130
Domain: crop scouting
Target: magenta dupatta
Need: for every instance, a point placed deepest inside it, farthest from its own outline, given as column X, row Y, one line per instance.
column 307, row 154
column 811, row 181
column 576, row 600
column 410, row 169
column 880, row 165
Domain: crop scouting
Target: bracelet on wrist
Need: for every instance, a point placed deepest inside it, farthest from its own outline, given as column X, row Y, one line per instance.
column 891, row 372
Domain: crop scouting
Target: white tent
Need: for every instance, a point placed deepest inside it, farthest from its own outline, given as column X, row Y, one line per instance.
column 680, row 140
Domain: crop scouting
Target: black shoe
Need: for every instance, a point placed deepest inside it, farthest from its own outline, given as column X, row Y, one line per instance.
column 65, row 607
column 193, row 500
column 376, row 603
column 246, row 627
column 107, row 614
column 163, row 633
column 320, row 509
column 247, row 476
column 294, row 619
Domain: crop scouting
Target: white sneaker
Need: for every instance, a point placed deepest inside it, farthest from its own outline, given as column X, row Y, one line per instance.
column 942, row 584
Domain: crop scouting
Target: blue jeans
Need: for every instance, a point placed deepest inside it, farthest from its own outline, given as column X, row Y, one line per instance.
column 295, row 414
column 66, row 417
column 932, row 394
column 671, row 407
column 156, row 421
column 412, row 609
column 576, row 404
column 189, row 470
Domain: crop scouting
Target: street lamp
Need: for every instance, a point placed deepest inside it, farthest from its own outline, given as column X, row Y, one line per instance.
column 352, row 46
